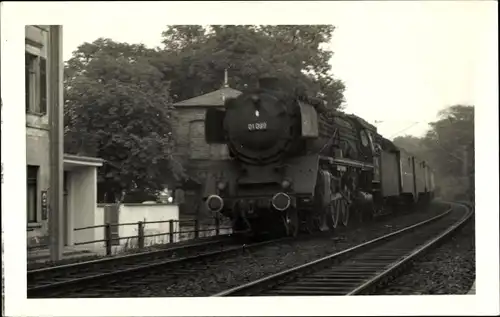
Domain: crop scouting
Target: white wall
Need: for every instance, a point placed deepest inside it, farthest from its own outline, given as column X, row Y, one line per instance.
column 133, row 213
column 82, row 203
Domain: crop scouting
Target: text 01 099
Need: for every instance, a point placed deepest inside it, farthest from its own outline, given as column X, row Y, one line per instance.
column 257, row 126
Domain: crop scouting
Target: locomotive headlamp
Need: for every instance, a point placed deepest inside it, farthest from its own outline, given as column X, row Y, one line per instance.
column 221, row 185
column 281, row 201
column 214, row 203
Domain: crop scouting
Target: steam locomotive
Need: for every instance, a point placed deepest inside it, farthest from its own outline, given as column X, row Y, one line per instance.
column 297, row 166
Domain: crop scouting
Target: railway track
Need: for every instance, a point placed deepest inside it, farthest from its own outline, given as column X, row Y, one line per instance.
column 89, row 278
column 361, row 269
column 51, row 278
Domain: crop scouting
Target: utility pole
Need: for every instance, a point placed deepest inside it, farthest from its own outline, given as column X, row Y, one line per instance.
column 56, row 101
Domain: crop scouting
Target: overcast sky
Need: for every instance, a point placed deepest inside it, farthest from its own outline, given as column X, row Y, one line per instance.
column 401, row 61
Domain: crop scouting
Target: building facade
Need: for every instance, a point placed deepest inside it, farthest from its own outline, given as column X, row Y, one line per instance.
column 80, row 173
column 37, row 130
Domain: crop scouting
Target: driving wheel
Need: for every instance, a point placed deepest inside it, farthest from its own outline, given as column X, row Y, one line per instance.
column 334, row 214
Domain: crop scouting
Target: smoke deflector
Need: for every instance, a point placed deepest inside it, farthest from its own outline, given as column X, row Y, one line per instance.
column 309, row 120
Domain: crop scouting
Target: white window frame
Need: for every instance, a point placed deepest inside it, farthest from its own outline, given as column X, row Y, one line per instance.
column 34, row 106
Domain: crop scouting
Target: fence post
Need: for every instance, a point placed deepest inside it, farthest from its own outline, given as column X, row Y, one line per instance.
column 196, row 228
column 171, row 230
column 108, row 237
column 140, row 238
column 217, row 225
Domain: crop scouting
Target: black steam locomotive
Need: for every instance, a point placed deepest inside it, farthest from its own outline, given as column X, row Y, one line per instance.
column 296, row 165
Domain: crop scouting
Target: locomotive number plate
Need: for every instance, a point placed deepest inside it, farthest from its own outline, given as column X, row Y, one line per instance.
column 259, row 126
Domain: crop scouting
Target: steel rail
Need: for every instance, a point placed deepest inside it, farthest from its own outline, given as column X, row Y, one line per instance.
column 58, row 285
column 412, row 256
column 362, row 283
column 112, row 259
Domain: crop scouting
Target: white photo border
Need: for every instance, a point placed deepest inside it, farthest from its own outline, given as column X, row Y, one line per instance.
column 14, row 17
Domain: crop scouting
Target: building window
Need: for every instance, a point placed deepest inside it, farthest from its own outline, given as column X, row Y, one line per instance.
column 36, row 84
column 31, row 194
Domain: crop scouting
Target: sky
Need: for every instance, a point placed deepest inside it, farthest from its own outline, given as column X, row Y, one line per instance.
column 401, row 61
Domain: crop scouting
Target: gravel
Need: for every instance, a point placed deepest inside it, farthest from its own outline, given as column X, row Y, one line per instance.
column 448, row 269
column 209, row 278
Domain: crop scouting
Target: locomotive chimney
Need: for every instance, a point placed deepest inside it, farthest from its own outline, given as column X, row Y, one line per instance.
column 226, row 84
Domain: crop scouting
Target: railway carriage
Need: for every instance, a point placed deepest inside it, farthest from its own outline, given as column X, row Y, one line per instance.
column 429, row 182
column 408, row 188
column 432, row 185
column 296, row 165
column 419, row 167
column 390, row 172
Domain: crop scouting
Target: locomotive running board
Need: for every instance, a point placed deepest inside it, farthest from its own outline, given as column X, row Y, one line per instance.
column 348, row 162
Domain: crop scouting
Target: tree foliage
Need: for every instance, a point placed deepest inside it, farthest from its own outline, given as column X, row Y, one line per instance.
column 117, row 108
column 410, row 143
column 197, row 56
column 449, row 148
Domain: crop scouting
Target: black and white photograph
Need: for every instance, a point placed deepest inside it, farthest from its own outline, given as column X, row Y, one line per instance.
column 278, row 154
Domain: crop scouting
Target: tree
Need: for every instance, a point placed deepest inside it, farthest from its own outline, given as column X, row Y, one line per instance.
column 117, row 108
column 178, row 37
column 410, row 143
column 197, row 56
column 448, row 147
